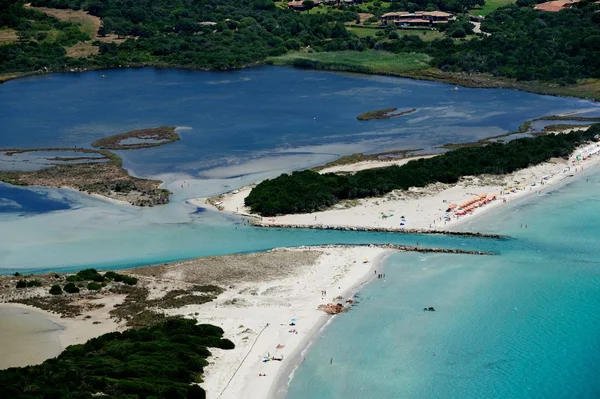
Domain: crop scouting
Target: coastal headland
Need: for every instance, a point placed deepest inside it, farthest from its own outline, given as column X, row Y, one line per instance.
column 97, row 171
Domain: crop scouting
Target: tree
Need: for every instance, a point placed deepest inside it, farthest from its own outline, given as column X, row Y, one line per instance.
column 94, row 286
column 308, row 4
column 70, row 288
column 55, row 290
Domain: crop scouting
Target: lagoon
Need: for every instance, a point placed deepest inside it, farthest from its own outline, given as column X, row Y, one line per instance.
column 237, row 127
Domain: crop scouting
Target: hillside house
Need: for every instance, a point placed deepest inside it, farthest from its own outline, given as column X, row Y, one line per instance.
column 418, row 18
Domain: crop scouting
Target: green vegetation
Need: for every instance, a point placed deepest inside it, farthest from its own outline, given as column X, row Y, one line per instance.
column 55, row 290
column 490, row 6
column 70, row 288
column 164, row 361
column 553, row 52
column 28, row 283
column 363, row 32
column 93, row 286
column 159, row 135
column 93, row 275
column 41, row 40
column 523, row 44
column 120, row 278
column 568, row 118
column 371, row 61
column 309, row 191
column 383, row 114
column 135, row 309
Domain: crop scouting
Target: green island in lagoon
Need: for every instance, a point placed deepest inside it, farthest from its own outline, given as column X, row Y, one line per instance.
column 286, row 162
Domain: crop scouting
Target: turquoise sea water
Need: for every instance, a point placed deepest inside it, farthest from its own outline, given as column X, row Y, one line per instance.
column 524, row 324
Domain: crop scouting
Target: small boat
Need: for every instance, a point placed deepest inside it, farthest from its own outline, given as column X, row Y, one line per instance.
column 455, row 88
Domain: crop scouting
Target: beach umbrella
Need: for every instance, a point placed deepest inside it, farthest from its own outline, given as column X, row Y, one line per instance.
column 293, row 320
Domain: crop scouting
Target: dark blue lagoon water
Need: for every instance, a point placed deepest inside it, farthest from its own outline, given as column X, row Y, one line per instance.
column 235, row 119
column 237, row 127
column 22, row 201
column 524, row 324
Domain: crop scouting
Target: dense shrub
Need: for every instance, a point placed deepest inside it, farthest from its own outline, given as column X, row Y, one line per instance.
column 158, row 362
column 308, row 191
column 56, row 290
column 120, row 278
column 70, row 288
column 21, row 284
column 94, row 286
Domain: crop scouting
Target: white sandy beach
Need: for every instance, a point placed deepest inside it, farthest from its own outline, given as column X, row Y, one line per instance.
column 257, row 316
column 422, row 208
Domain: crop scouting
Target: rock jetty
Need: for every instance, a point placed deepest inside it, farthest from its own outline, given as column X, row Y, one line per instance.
column 409, row 248
column 378, row 230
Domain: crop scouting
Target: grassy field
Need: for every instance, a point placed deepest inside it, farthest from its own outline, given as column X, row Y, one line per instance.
column 424, row 34
column 489, row 6
column 8, row 36
column 371, row 61
column 363, row 32
column 89, row 24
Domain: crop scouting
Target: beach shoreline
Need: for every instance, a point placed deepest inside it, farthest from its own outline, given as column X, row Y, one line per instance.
column 280, row 386
column 274, row 318
column 417, row 210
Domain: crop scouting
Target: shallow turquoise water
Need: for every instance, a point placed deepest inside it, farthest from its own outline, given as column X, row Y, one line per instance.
column 524, row 324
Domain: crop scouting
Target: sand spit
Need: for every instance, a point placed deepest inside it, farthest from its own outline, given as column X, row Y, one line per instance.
column 419, row 210
column 261, row 295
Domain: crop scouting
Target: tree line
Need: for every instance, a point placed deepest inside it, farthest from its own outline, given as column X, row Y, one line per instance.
column 309, row 191
column 523, row 44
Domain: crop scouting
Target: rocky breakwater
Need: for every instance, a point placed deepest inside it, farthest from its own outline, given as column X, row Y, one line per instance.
column 409, row 248
column 258, row 223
